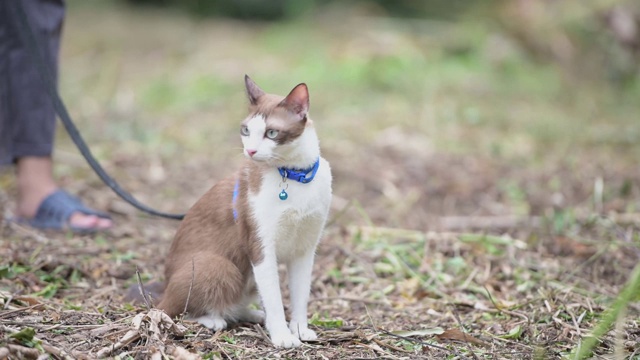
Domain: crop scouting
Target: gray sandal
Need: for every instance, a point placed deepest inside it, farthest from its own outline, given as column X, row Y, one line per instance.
column 55, row 212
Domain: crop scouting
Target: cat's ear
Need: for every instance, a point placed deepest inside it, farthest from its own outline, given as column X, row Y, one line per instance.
column 253, row 90
column 297, row 101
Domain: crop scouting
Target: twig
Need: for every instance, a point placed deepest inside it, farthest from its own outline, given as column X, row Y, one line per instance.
column 347, row 298
column 377, row 349
column 507, row 341
column 193, row 278
column 584, row 264
column 560, row 322
column 504, row 311
column 128, row 338
column 141, row 288
column 262, row 333
column 392, row 347
column 219, row 345
column 102, row 329
column 7, row 302
column 421, row 342
column 366, row 308
column 575, row 322
column 464, row 334
column 23, row 351
column 6, row 313
column 29, row 232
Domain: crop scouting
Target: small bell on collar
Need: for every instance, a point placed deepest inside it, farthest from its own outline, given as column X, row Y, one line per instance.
column 283, row 194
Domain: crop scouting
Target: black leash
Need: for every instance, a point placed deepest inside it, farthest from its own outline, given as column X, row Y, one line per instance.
column 31, row 43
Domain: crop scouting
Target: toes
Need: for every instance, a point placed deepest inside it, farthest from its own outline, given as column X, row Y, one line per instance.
column 302, row 332
column 285, row 340
column 212, row 322
column 103, row 223
column 307, row 335
column 84, row 221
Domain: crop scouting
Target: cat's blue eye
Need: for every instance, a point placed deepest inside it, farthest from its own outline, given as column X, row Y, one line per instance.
column 271, row 134
column 244, row 131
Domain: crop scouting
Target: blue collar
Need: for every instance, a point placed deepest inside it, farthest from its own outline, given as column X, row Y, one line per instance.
column 300, row 175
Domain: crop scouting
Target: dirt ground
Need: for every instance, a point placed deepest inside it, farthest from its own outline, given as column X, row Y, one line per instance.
column 432, row 250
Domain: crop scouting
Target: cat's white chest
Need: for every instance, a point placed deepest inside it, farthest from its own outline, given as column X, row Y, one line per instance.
column 294, row 224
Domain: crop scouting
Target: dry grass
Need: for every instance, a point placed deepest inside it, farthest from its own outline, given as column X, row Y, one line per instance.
column 463, row 295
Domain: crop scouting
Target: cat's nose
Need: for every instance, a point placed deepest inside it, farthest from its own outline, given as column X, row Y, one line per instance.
column 251, row 152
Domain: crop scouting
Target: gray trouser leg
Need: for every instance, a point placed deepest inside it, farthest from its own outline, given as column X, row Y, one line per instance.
column 27, row 118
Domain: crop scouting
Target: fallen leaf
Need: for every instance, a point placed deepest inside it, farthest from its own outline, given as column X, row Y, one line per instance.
column 487, row 239
column 326, row 323
column 423, row 332
column 565, row 246
column 457, row 335
column 154, row 326
column 514, row 333
column 408, row 288
column 54, row 316
column 24, row 336
column 28, row 300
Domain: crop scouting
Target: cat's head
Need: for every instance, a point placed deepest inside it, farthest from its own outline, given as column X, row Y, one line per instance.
column 272, row 132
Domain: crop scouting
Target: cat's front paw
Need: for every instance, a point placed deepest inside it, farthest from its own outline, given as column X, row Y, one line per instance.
column 302, row 332
column 285, row 340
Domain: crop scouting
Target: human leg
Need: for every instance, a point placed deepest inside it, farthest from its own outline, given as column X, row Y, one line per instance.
column 30, row 117
column 5, row 130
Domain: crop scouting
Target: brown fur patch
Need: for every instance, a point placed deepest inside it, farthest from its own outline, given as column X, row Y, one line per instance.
column 220, row 249
column 277, row 117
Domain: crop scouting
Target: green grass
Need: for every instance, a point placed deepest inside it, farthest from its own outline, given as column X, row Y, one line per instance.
column 628, row 295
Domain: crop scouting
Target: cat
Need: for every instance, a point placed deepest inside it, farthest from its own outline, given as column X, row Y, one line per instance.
column 273, row 210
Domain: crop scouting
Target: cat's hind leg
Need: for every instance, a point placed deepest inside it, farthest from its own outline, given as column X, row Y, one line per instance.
column 237, row 313
column 206, row 286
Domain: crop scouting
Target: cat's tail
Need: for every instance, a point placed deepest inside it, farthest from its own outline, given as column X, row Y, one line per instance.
column 152, row 292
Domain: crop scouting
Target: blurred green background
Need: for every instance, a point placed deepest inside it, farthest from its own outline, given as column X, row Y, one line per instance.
column 415, row 101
